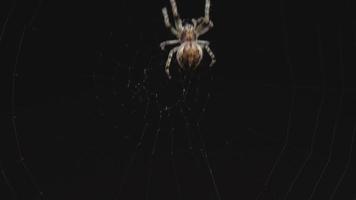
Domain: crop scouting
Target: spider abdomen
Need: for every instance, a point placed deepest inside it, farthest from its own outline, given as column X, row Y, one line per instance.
column 189, row 54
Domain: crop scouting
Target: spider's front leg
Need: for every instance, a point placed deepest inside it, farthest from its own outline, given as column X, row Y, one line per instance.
column 169, row 59
column 167, row 22
column 207, row 11
column 177, row 19
column 202, row 26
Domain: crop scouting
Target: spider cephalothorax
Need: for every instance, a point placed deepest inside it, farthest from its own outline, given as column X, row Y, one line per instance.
column 190, row 50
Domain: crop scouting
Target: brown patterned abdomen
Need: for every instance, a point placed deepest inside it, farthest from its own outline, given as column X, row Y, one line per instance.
column 189, row 55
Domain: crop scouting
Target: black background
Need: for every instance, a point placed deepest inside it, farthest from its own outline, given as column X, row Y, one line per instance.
column 82, row 72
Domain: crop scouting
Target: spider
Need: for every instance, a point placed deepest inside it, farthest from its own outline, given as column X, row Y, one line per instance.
column 190, row 49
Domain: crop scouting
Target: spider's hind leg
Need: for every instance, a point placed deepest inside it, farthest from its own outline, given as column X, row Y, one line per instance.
column 169, row 59
column 205, row 44
column 211, row 54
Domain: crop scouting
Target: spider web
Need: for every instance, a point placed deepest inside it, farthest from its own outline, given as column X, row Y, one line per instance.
column 166, row 116
column 94, row 116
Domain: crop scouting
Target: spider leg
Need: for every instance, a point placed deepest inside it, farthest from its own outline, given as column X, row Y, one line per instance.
column 203, row 26
column 211, row 54
column 177, row 20
column 195, row 23
column 169, row 59
column 167, row 23
column 207, row 10
column 203, row 42
column 168, row 42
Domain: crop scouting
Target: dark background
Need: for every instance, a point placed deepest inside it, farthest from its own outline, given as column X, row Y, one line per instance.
column 86, row 81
